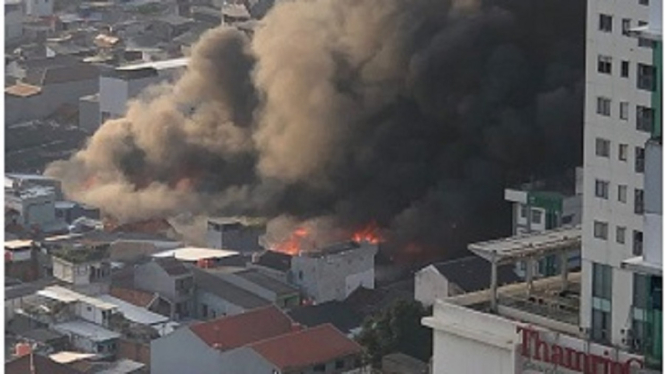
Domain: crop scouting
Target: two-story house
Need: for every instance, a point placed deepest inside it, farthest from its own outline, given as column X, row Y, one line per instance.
column 81, row 266
column 172, row 280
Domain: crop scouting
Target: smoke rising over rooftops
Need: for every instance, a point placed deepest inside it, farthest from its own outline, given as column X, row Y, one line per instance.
column 413, row 114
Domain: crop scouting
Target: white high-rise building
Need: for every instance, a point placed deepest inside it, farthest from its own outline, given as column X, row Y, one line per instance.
column 622, row 112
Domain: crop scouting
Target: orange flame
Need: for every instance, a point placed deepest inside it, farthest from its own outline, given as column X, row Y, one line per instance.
column 292, row 245
column 369, row 233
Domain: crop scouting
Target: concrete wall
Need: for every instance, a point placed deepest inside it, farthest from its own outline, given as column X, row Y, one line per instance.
column 89, row 113
column 134, row 351
column 38, row 209
column 152, row 277
column 183, row 352
column 115, row 93
column 249, row 286
column 215, row 304
column 430, row 285
column 334, row 276
column 52, row 97
column 246, row 361
column 71, row 273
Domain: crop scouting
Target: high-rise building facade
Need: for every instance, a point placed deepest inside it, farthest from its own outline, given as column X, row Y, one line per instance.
column 622, row 113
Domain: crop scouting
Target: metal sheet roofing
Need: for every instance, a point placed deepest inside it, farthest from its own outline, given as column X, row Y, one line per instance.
column 195, row 253
column 87, row 330
column 134, row 313
column 68, row 296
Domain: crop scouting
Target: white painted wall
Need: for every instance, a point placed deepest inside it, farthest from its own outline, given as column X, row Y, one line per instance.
column 430, row 285
column 619, row 89
column 494, row 341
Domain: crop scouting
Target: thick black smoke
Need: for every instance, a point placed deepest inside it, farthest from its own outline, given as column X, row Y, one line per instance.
column 411, row 113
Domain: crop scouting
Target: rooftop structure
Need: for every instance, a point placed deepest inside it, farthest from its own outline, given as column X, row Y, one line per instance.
column 87, row 330
column 529, row 248
column 196, row 254
column 235, row 331
column 301, row 349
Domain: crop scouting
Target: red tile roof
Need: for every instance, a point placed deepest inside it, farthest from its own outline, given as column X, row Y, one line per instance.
column 306, row 347
column 241, row 329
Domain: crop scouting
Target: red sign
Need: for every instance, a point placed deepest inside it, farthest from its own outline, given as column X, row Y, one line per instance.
column 533, row 347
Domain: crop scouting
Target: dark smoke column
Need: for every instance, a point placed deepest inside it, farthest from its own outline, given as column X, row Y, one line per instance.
column 413, row 114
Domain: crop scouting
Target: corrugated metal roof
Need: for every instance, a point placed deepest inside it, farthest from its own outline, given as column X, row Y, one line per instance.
column 86, row 329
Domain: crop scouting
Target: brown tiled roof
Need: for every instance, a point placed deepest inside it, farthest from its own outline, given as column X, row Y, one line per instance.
column 132, row 296
column 23, row 90
column 43, row 365
column 307, row 347
column 241, row 329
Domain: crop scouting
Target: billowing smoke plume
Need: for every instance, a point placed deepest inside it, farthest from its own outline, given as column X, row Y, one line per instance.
column 410, row 113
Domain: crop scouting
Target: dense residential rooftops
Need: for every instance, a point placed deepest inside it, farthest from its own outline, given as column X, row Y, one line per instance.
column 307, row 347
column 241, row 329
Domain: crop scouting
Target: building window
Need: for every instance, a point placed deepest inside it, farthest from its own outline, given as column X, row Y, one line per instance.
column 602, row 281
column 523, row 211
column 604, row 106
column 646, row 77
column 639, row 201
column 644, row 42
column 601, row 304
column 204, row 310
column 621, row 235
column 644, row 2
column 602, row 189
column 622, row 193
column 320, row 368
column 566, row 220
column 625, row 26
column 600, row 329
column 625, row 69
column 623, row 152
column 605, row 23
column 638, row 242
column 602, row 147
column 623, row 110
column 536, row 216
column 639, row 160
column 600, row 230
column 644, row 118
column 339, row 364
column 605, row 64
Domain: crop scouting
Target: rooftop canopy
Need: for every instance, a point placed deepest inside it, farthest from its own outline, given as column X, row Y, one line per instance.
column 539, row 244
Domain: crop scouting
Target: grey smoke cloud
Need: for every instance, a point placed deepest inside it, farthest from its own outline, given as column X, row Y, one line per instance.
column 412, row 113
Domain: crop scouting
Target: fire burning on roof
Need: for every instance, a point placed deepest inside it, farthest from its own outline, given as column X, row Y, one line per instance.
column 302, row 239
